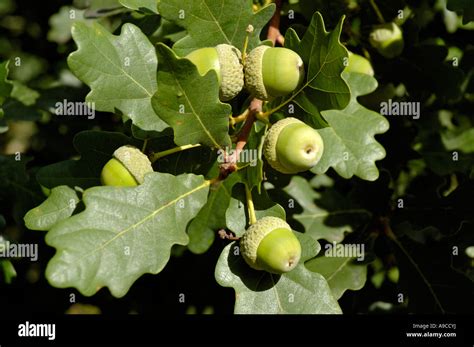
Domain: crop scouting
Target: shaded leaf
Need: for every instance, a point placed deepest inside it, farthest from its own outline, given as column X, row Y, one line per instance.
column 59, row 206
column 327, row 215
column 258, row 292
column 211, row 217
column 466, row 7
column 5, row 85
column 61, row 23
column 342, row 273
column 349, row 143
column 146, row 6
column 323, row 56
column 251, row 158
column 124, row 233
column 96, row 149
column 189, row 103
column 237, row 213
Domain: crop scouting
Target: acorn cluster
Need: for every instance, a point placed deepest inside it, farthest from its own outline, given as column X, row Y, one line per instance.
column 267, row 72
column 290, row 146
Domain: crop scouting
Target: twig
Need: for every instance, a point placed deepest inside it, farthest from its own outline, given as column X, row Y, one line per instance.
column 230, row 161
column 155, row 156
column 389, row 233
column 227, row 235
column 377, row 12
column 255, row 108
column 250, row 206
column 274, row 33
column 240, row 118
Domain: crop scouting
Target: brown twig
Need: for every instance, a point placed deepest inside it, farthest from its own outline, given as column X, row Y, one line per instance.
column 255, row 107
column 227, row 235
column 230, row 161
column 274, row 33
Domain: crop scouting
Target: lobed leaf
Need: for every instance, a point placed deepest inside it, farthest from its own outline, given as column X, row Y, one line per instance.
column 59, row 206
column 349, row 144
column 342, row 273
column 323, row 56
column 258, row 292
column 212, row 22
column 124, row 233
column 326, row 215
column 189, row 102
column 120, row 70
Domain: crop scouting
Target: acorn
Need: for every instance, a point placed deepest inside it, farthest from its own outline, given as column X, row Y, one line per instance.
column 359, row 64
column 292, row 146
column 272, row 72
column 127, row 168
column 225, row 60
column 387, row 39
column 270, row 245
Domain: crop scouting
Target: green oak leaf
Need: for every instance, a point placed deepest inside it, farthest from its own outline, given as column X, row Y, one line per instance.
column 460, row 137
column 251, row 158
column 9, row 272
column 189, row 102
column 212, row 22
column 349, row 143
column 21, row 103
column 463, row 141
column 258, row 292
column 6, row 86
column 17, row 190
column 120, row 70
column 96, row 149
column 466, row 7
column 211, row 217
column 445, row 150
column 146, row 6
column 323, row 56
column 59, row 206
column 327, row 215
column 237, row 213
column 342, row 273
column 124, row 233
column 99, row 8
column 13, row 176
column 61, row 23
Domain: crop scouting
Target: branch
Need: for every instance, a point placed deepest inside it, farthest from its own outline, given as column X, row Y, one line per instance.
column 255, row 108
column 230, row 161
column 274, row 33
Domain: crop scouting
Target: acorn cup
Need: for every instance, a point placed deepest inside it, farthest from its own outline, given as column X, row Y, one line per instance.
column 127, row 168
column 270, row 245
column 225, row 60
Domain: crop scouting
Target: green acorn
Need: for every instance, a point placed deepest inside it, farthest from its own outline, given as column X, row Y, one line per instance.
column 359, row 64
column 292, row 146
column 225, row 60
column 127, row 168
column 271, row 72
column 270, row 245
column 387, row 39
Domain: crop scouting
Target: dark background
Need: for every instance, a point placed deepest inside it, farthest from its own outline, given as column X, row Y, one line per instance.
column 439, row 221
